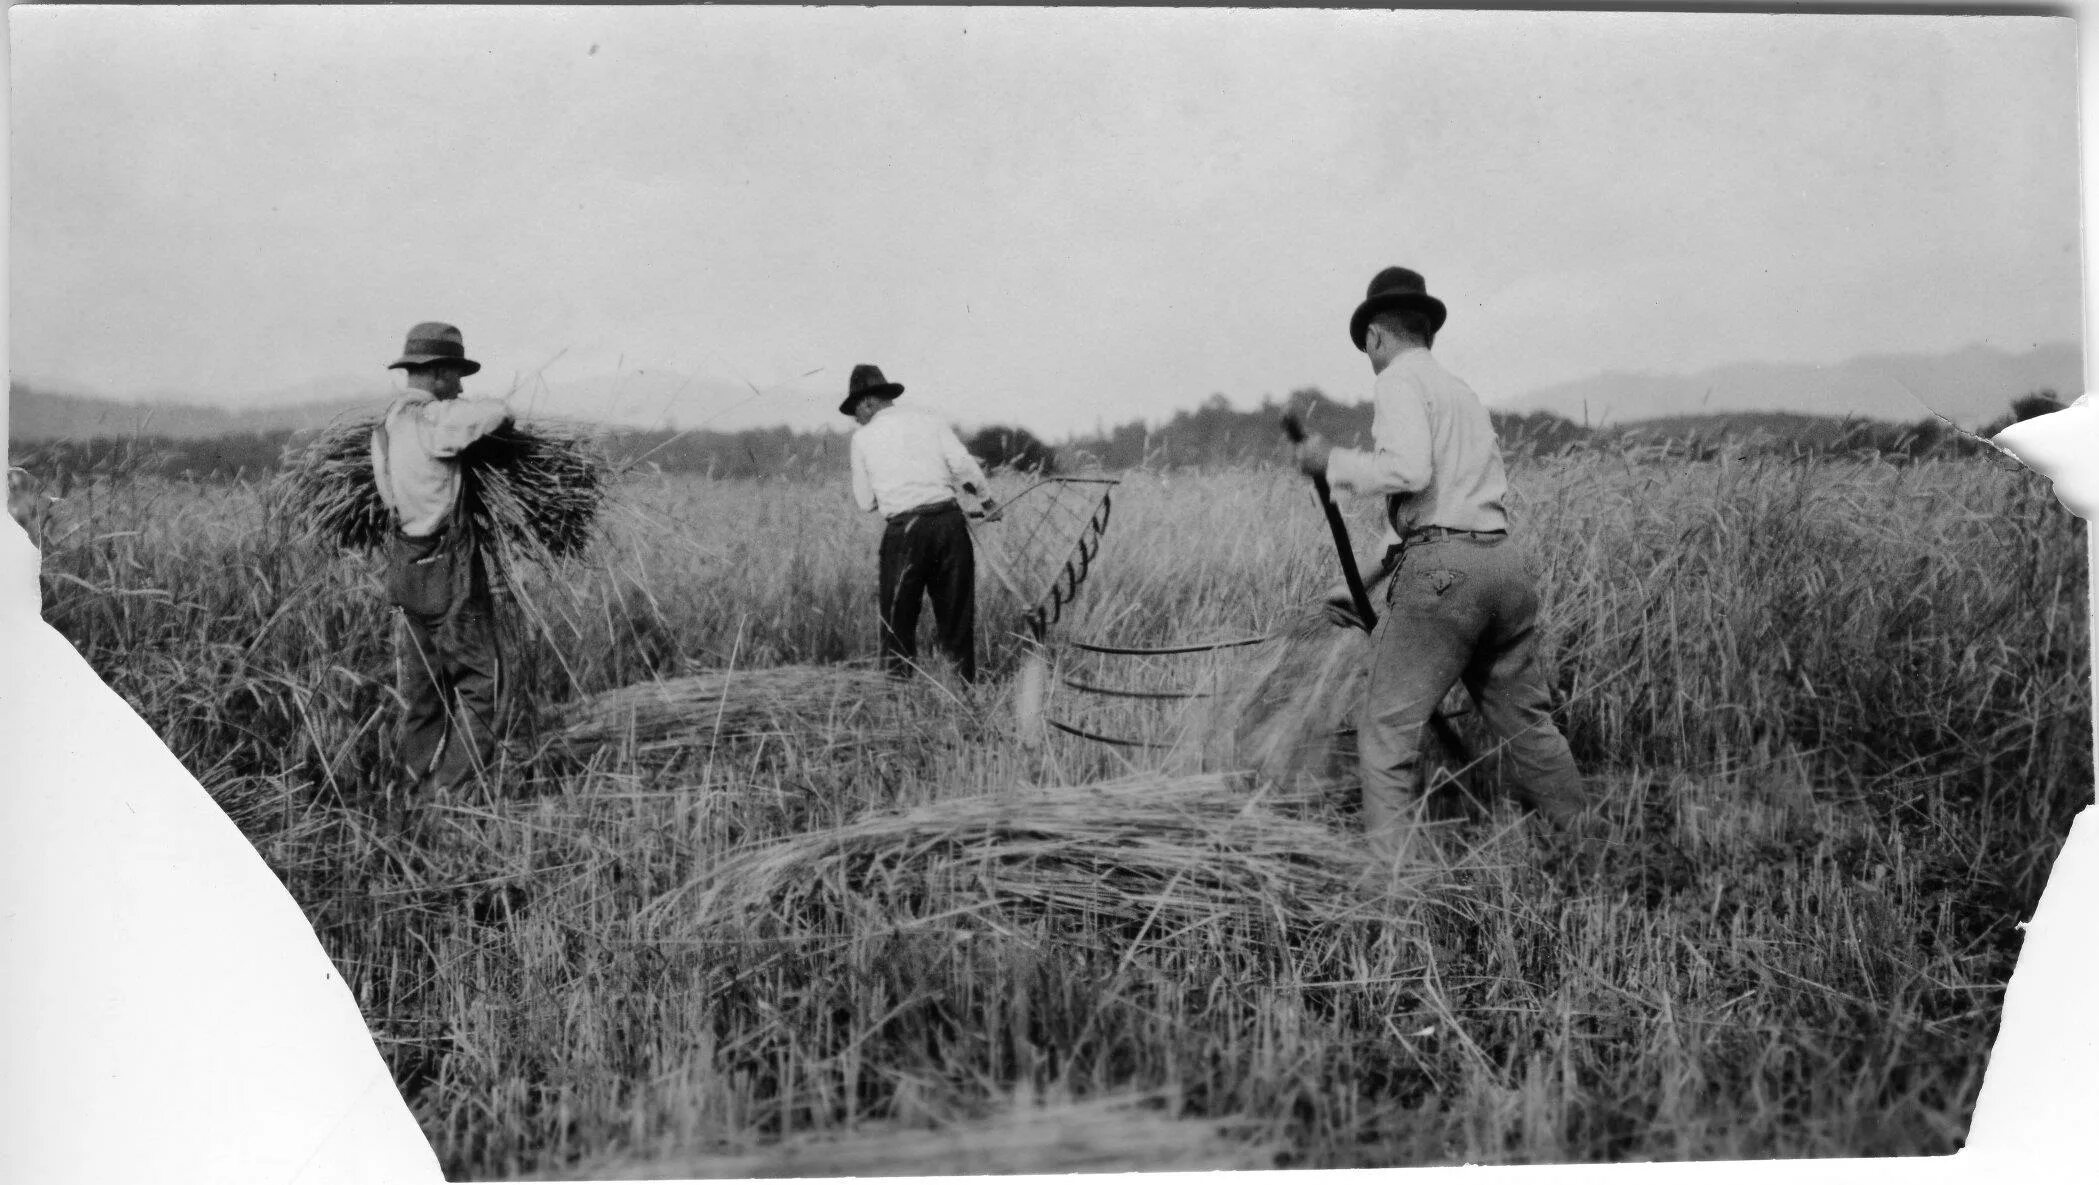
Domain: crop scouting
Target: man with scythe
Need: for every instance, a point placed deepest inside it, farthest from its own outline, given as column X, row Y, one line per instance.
column 906, row 465
column 1459, row 600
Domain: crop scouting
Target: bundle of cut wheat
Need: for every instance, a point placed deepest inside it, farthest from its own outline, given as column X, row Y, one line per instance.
column 1151, row 853
column 538, row 489
column 326, row 488
column 1294, row 696
column 1120, row 1133
column 696, row 709
column 529, row 493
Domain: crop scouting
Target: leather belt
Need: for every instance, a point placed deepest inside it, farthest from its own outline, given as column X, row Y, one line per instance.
column 924, row 511
column 1424, row 534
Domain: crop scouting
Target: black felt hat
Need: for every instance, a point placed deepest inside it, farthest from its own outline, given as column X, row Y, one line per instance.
column 434, row 341
column 1394, row 288
column 867, row 380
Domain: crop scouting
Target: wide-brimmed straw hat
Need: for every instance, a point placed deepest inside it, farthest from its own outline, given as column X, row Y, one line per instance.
column 867, row 380
column 434, row 341
column 1393, row 288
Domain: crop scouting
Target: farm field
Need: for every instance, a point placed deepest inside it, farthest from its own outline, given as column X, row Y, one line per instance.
column 1838, row 713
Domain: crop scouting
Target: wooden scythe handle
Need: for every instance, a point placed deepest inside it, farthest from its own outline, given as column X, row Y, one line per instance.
column 1295, row 430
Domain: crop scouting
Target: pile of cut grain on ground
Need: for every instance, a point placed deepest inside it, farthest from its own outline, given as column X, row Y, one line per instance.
column 805, row 700
column 1169, row 894
column 1150, row 853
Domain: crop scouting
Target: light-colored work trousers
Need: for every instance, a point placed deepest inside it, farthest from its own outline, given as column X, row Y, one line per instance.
column 1460, row 607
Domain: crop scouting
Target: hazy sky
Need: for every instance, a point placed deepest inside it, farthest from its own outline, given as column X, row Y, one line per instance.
column 1050, row 217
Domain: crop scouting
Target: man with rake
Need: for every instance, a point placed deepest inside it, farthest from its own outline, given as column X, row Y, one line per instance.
column 1459, row 603
column 906, row 465
column 449, row 661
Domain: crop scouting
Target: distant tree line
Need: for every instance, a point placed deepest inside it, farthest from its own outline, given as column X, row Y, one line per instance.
column 215, row 458
column 756, row 453
column 769, row 452
column 1215, row 435
column 1209, row 435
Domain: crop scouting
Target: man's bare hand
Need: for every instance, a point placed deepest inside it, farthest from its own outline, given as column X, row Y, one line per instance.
column 1311, row 455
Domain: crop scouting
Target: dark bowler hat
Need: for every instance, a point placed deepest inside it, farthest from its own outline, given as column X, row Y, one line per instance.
column 1393, row 288
column 434, row 341
column 867, row 380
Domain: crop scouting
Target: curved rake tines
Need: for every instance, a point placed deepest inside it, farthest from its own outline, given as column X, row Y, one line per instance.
column 1049, row 572
column 1064, row 589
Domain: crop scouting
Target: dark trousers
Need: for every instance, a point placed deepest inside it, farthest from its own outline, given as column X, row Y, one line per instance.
column 929, row 553
column 1460, row 609
column 449, row 674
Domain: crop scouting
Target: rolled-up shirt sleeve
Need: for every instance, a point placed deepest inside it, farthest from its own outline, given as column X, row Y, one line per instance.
column 1400, row 461
column 863, row 485
column 382, row 466
column 453, row 424
column 964, row 467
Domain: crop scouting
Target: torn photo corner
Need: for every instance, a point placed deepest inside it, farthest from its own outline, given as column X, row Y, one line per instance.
column 2060, row 446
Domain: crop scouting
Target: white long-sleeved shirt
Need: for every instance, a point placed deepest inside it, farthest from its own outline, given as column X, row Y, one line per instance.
column 904, row 458
column 415, row 454
column 1435, row 457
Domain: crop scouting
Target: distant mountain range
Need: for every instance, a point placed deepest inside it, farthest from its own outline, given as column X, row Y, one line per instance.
column 35, row 414
column 633, row 400
column 1969, row 386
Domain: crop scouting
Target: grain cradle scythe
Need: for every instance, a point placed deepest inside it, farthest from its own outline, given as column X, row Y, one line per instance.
column 1045, row 590
column 1044, row 575
column 1363, row 616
